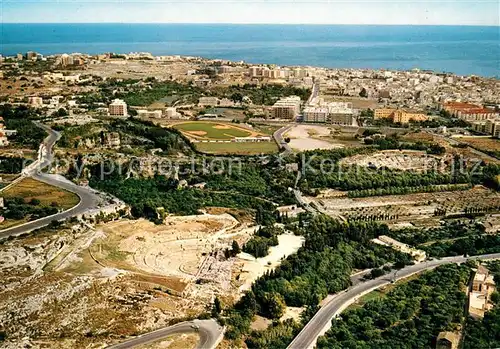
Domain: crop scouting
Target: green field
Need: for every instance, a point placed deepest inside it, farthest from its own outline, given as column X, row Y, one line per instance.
column 212, row 130
column 250, row 148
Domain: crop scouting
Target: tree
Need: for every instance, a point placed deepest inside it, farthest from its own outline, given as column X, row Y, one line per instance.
column 274, row 305
column 235, row 248
column 237, row 97
column 495, row 298
column 375, row 273
column 217, row 307
column 34, row 202
column 363, row 93
column 62, row 112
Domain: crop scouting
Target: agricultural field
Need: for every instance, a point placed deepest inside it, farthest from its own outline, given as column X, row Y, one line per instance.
column 486, row 144
column 30, row 188
column 238, row 148
column 203, row 130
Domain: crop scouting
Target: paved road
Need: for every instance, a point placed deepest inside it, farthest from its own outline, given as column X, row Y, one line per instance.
column 88, row 197
column 278, row 137
column 473, row 150
column 209, row 330
column 322, row 320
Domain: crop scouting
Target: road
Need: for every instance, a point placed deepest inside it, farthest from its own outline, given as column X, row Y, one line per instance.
column 473, row 150
column 278, row 137
column 321, row 321
column 209, row 330
column 88, row 198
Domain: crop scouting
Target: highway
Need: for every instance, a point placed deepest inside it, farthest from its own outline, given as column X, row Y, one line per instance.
column 321, row 321
column 88, row 198
column 209, row 331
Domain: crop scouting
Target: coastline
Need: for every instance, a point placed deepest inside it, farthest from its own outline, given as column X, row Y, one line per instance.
column 461, row 50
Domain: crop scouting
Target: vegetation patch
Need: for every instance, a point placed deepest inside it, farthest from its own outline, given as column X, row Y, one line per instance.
column 488, row 145
column 332, row 250
column 21, row 119
column 452, row 239
column 48, row 195
column 410, row 316
column 237, row 148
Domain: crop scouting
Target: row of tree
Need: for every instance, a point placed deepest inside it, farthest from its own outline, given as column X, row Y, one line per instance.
column 406, row 190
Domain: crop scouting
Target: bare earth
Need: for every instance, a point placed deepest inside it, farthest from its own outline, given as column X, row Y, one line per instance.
column 304, row 137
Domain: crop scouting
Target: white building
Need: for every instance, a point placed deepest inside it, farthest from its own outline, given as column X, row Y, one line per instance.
column 118, row 108
column 315, row 114
column 55, row 101
column 66, row 60
column 492, row 127
column 171, row 112
column 286, row 108
column 254, row 72
column 336, row 113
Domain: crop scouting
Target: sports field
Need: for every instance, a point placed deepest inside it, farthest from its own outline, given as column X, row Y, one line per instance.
column 203, row 130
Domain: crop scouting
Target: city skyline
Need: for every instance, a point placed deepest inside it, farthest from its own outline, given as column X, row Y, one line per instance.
column 371, row 12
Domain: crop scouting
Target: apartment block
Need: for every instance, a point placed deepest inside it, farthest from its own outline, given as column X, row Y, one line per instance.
column 399, row 115
column 492, row 127
column 118, row 108
column 340, row 113
column 315, row 114
column 469, row 112
column 66, row 60
column 286, row 108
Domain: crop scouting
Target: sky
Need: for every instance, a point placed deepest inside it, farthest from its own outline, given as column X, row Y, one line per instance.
column 423, row 12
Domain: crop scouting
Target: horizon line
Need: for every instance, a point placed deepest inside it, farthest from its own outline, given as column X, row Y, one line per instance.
column 240, row 23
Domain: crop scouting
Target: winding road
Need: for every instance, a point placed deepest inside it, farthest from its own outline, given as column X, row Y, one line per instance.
column 88, row 198
column 209, row 331
column 321, row 321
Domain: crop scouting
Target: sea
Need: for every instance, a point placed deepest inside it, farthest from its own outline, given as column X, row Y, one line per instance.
column 463, row 50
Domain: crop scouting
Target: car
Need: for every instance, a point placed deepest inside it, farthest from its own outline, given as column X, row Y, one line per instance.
column 196, row 327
